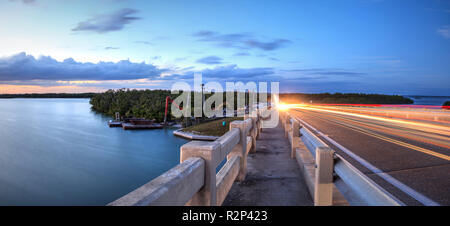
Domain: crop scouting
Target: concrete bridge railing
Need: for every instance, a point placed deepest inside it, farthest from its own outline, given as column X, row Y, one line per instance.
column 323, row 169
column 195, row 181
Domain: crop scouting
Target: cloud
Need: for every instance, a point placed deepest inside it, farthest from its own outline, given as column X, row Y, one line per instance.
column 111, row 48
column 268, row 46
column 324, row 73
column 234, row 72
column 25, row 67
column 24, row 1
column 242, row 54
column 239, row 41
column 210, row 60
column 144, row 42
column 178, row 59
column 444, row 31
column 307, row 70
column 108, row 22
column 342, row 73
column 228, row 73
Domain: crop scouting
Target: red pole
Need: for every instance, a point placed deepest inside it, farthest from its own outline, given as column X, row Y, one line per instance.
column 165, row 112
column 167, row 105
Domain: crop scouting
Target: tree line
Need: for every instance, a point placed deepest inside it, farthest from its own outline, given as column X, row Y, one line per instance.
column 345, row 98
column 147, row 104
column 150, row 104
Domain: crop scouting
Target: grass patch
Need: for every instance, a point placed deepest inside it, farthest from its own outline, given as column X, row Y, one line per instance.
column 213, row 128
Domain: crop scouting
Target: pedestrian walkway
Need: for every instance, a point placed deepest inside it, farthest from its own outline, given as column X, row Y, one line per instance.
column 273, row 177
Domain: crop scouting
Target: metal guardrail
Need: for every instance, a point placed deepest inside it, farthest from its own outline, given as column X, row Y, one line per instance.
column 356, row 187
column 360, row 189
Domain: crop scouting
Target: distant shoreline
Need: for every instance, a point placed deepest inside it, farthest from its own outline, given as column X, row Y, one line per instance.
column 89, row 95
column 420, row 96
column 47, row 95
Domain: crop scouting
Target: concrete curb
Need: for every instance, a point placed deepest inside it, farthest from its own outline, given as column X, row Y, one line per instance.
column 191, row 136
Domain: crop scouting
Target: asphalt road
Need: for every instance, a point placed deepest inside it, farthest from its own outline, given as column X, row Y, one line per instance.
column 416, row 155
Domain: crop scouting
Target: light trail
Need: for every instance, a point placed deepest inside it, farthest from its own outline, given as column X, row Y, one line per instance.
column 427, row 127
column 408, row 133
column 390, row 105
column 381, row 137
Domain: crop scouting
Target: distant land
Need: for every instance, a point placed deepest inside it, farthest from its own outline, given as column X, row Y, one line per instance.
column 150, row 104
column 356, row 98
column 48, row 95
column 344, row 98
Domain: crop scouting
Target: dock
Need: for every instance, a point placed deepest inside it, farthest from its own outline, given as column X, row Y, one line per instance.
column 113, row 123
column 131, row 126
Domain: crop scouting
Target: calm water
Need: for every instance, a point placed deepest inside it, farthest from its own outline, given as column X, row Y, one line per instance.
column 429, row 100
column 59, row 152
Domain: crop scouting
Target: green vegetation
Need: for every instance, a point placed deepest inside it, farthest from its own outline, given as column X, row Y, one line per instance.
column 149, row 104
column 212, row 128
column 48, row 95
column 344, row 98
column 447, row 103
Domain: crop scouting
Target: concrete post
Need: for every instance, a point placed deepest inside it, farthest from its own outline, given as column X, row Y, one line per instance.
column 287, row 126
column 210, row 152
column 253, row 132
column 259, row 123
column 295, row 141
column 281, row 116
column 323, row 186
column 240, row 149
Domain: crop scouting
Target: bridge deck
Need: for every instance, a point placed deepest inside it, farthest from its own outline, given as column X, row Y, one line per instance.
column 273, row 177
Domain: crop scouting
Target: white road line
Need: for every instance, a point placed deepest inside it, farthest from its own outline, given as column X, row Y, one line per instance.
column 403, row 187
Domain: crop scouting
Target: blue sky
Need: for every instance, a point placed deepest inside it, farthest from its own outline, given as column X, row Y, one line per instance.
column 370, row 46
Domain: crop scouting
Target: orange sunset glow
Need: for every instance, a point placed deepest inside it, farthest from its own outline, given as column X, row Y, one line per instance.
column 17, row 89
